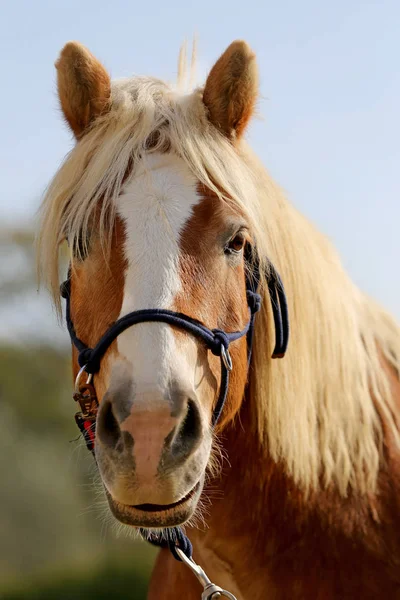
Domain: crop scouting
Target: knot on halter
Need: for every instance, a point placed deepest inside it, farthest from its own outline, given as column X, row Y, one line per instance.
column 169, row 538
column 220, row 339
column 182, row 542
column 85, row 358
column 254, row 301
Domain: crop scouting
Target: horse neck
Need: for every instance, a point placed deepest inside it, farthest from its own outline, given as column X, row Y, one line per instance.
column 252, row 490
column 260, row 514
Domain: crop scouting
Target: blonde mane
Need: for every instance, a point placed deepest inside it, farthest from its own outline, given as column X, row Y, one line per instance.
column 316, row 411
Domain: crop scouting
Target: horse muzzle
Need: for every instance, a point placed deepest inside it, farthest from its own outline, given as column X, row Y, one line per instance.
column 152, row 450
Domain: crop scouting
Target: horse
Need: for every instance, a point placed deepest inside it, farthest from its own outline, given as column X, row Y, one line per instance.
column 294, row 492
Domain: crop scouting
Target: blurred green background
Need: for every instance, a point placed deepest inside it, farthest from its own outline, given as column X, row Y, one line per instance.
column 57, row 540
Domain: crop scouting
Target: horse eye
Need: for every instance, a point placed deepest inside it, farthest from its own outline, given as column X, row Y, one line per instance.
column 236, row 244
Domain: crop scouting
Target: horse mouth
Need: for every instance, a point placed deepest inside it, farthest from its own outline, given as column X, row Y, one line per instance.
column 157, row 515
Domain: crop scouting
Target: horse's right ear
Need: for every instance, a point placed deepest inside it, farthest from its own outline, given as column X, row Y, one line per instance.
column 84, row 86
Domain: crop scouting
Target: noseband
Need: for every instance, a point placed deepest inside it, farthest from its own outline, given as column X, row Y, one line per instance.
column 216, row 340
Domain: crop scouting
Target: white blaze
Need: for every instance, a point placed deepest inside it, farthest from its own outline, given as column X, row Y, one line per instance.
column 155, row 206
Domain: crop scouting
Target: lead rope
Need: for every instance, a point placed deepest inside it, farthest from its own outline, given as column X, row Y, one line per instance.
column 218, row 342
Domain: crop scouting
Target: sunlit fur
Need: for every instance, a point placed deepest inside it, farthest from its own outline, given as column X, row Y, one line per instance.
column 315, row 411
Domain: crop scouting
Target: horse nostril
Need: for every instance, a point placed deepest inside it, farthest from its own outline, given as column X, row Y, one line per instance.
column 189, row 434
column 108, row 429
column 191, row 424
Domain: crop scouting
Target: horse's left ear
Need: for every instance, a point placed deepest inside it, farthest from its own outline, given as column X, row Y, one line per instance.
column 231, row 89
column 84, row 86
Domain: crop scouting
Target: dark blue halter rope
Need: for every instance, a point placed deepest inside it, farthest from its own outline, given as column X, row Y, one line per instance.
column 216, row 340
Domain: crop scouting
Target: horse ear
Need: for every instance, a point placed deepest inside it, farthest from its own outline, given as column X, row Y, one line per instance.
column 231, row 89
column 84, row 86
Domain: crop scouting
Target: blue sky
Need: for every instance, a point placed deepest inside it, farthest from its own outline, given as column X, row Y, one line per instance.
column 330, row 86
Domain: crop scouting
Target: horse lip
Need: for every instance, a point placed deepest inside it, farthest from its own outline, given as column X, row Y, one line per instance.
column 154, row 508
column 156, row 515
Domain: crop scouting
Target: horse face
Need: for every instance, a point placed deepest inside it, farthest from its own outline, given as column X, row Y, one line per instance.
column 175, row 245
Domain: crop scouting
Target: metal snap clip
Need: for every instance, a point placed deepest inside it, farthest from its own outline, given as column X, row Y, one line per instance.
column 210, row 590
